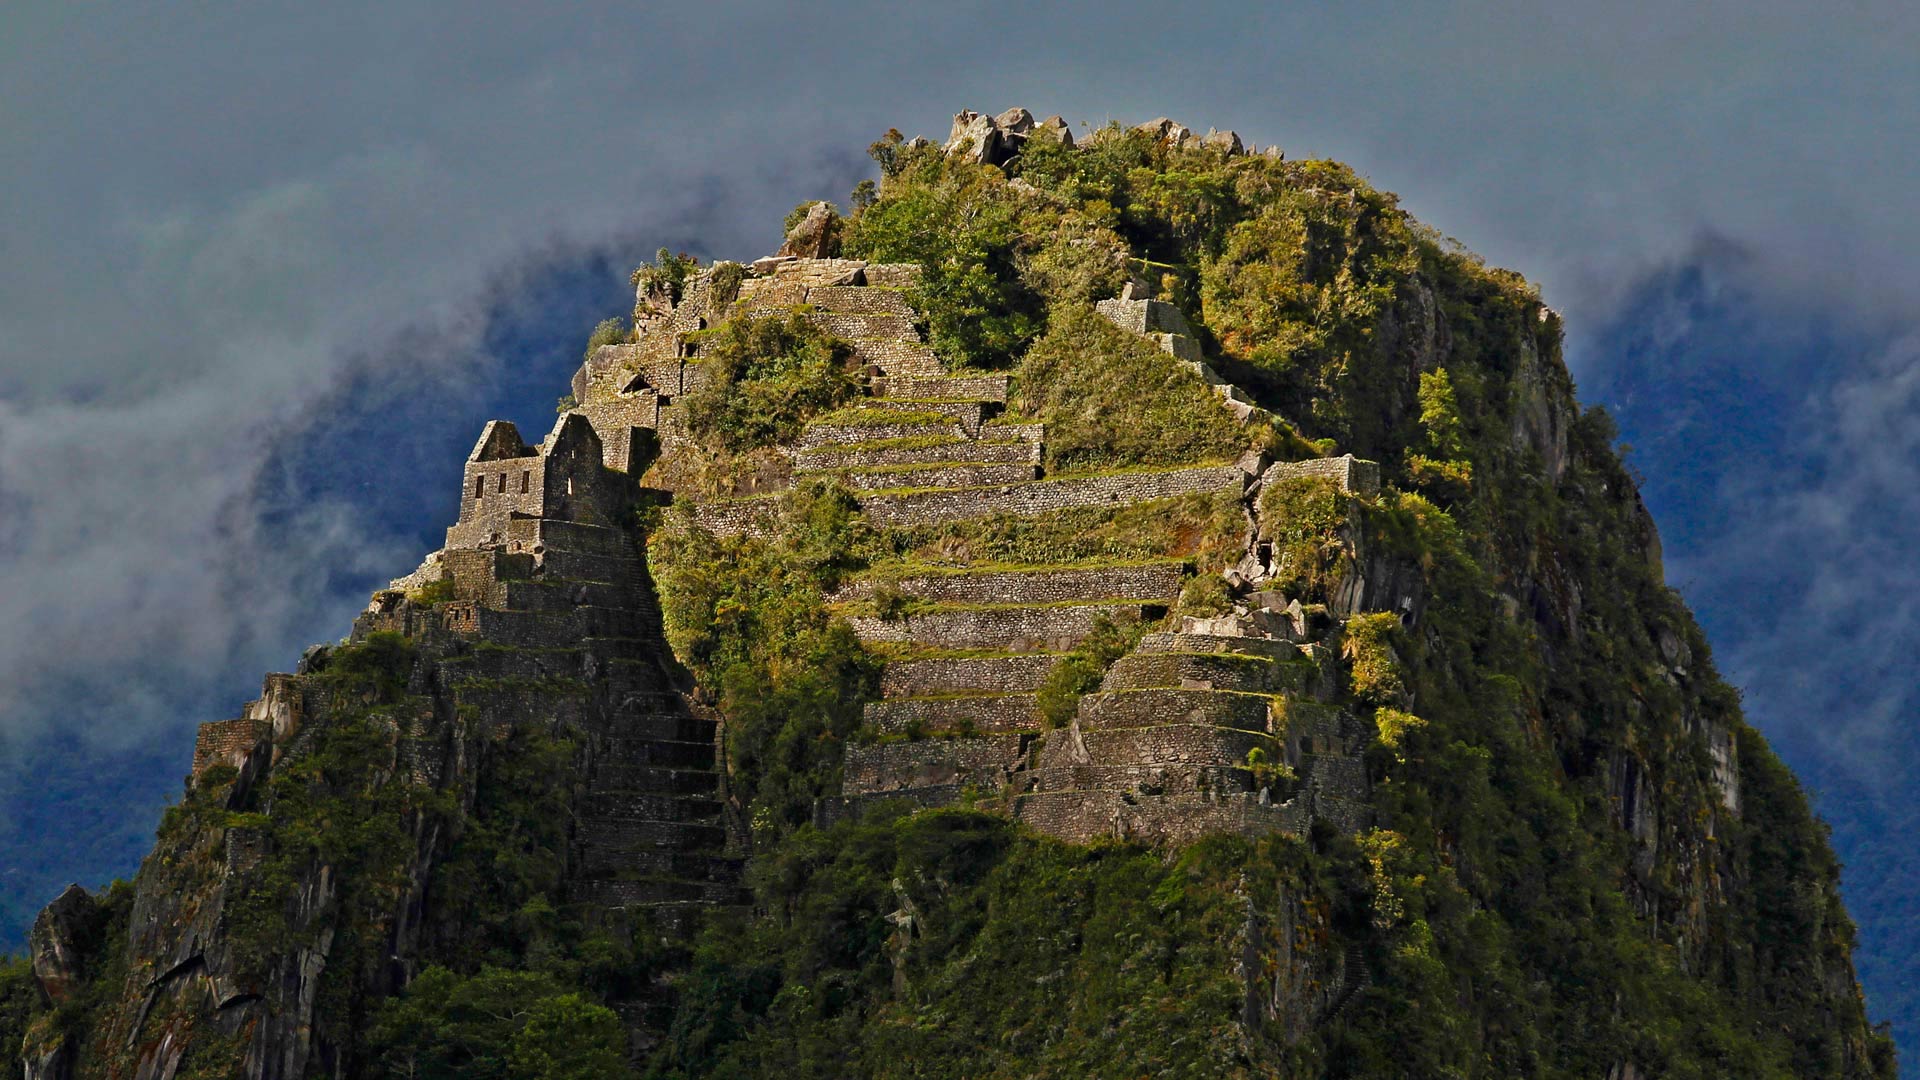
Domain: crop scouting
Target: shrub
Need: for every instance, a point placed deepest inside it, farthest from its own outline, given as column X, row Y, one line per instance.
column 1110, row 399
column 608, row 332
column 1079, row 672
column 767, row 378
column 1306, row 518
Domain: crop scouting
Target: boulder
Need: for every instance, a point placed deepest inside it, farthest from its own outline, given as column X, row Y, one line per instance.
column 1223, row 140
column 1015, row 121
column 977, row 137
column 1177, row 134
column 1053, row 129
column 815, row 236
column 57, row 942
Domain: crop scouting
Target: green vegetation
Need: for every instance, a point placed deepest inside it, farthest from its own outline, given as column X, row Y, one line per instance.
column 766, row 378
column 438, row 591
column 511, row 1025
column 608, row 332
column 749, row 617
column 948, row 944
column 1108, row 398
column 665, row 277
column 1079, row 672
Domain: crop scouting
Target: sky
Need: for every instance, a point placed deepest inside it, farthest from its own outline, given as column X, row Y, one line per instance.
column 265, row 271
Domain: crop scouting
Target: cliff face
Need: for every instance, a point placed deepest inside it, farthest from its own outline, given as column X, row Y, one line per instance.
column 1138, row 606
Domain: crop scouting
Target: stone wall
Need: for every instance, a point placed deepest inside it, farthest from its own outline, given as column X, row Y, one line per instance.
column 936, row 475
column 984, row 713
column 892, row 275
column 873, row 768
column 1043, row 496
column 858, row 300
column 959, row 449
column 1053, row 629
column 1351, row 473
column 830, row 435
column 227, row 742
column 1041, row 585
column 954, row 387
column 1151, row 706
column 947, row 675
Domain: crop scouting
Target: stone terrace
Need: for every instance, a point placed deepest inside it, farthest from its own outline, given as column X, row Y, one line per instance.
column 1190, row 733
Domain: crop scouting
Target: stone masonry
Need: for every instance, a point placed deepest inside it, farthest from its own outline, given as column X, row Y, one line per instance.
column 1193, row 732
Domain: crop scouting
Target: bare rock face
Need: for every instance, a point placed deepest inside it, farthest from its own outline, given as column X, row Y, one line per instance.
column 814, row 237
column 1223, row 140
column 1053, row 129
column 1016, row 122
column 976, row 137
column 1178, row 134
column 56, row 942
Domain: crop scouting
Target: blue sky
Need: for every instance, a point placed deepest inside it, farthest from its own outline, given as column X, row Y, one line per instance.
column 265, row 273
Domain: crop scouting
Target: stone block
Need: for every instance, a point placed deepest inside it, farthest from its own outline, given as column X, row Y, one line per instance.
column 1013, row 629
column 1151, row 582
column 1153, row 707
column 949, row 387
column 826, row 435
column 895, row 767
column 940, row 475
column 971, row 714
column 854, row 300
column 958, row 450
column 946, row 675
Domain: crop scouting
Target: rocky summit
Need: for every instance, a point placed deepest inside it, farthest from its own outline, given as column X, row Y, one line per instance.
column 1113, row 604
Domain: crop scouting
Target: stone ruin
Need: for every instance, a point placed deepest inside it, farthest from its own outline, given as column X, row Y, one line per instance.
column 1220, row 724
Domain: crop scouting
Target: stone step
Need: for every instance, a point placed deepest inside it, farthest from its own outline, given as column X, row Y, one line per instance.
column 600, row 859
column 967, row 714
column 619, row 893
column 629, row 834
column 1011, row 628
column 631, row 752
column 950, row 475
column 856, row 328
column 1208, row 671
column 658, row 779
column 824, row 435
column 1116, row 709
column 860, row 300
column 941, row 675
column 1165, row 744
column 1035, row 585
column 956, row 450
column 968, row 414
column 602, row 802
column 906, row 767
column 945, row 388
column 1087, row 816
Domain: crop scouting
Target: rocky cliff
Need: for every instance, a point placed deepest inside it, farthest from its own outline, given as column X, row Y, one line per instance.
column 1108, row 606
